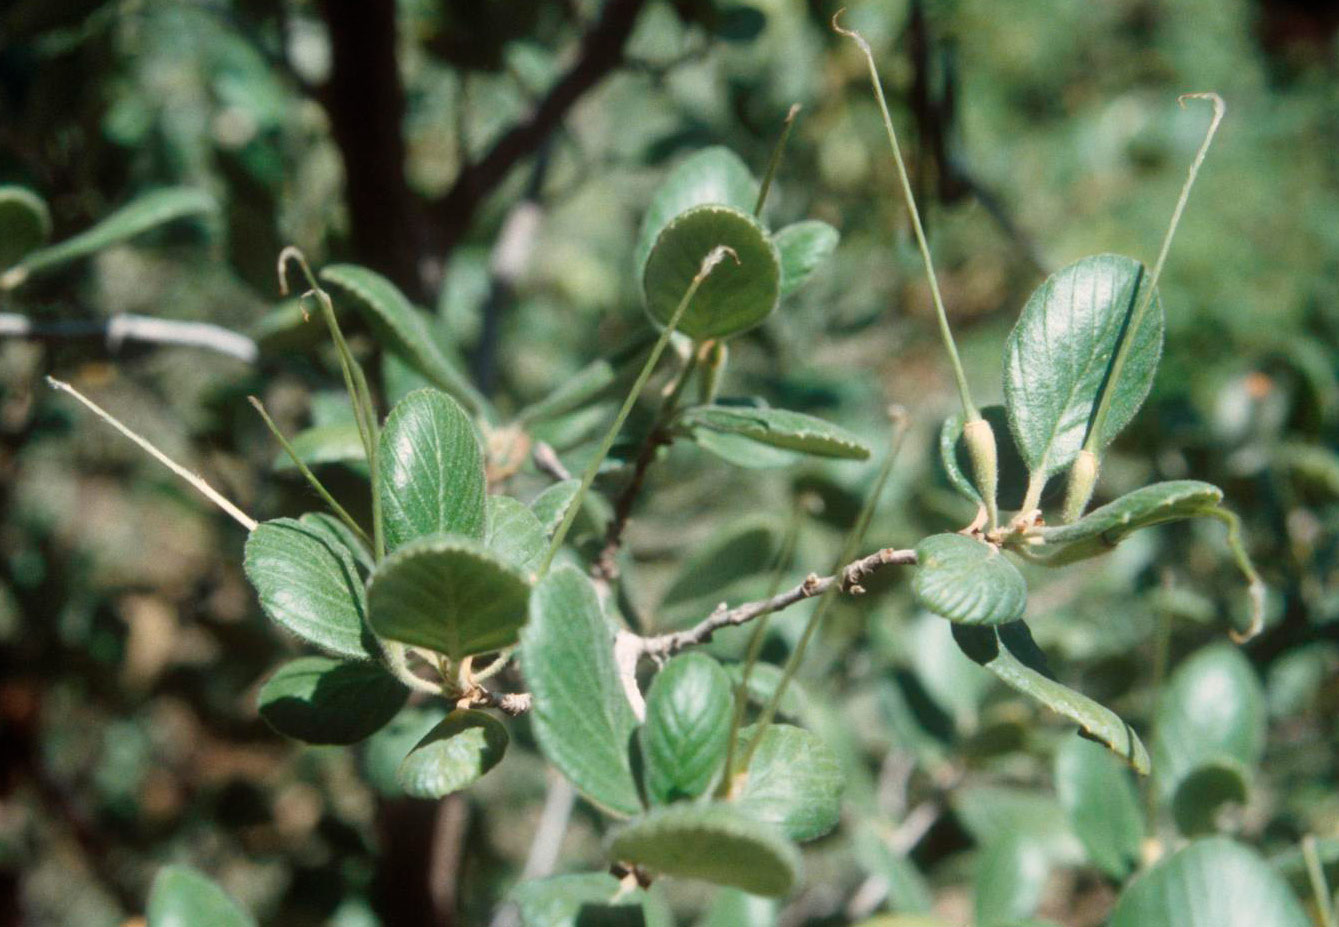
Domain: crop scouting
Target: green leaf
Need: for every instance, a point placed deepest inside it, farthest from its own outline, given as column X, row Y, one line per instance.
column 385, row 750
column 740, row 292
column 1202, row 793
column 1213, row 881
column 907, row 889
column 1212, row 710
column 731, row 564
column 551, row 505
column 448, row 594
column 322, row 701
column 1105, row 527
column 402, row 329
column 762, row 683
column 515, row 534
column 683, row 741
column 992, row 813
column 712, row 175
column 581, row 716
column 146, row 212
column 790, row 431
column 794, row 781
column 1010, row 653
column 967, row 581
column 601, row 379
column 432, row 471
column 338, row 535
column 740, row 23
column 1011, row 874
column 1103, row 808
column 953, row 454
column 453, row 755
column 1057, row 358
column 594, row 899
column 25, row 223
column 319, row 445
column 745, row 452
column 712, row 842
column 310, row 586
column 182, row 897
column 803, row 247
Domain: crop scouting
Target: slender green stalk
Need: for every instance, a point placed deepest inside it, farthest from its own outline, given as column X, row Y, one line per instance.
column 1319, row 887
column 292, row 453
column 776, row 158
column 709, row 263
column 1093, row 441
column 783, row 559
column 969, row 409
column 355, row 383
column 853, row 541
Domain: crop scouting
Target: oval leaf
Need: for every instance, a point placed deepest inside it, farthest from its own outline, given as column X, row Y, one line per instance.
column 712, row 175
column 515, row 534
column 794, row 781
column 712, row 842
column 322, row 701
column 182, row 897
column 1202, row 793
column 25, row 223
column 803, row 247
column 1103, row 808
column 1057, row 358
column 453, row 755
column 320, row 445
column 738, row 294
column 310, row 586
column 588, row 899
column 1010, row 653
column 967, row 581
column 146, row 212
column 338, row 535
column 683, row 741
column 581, row 716
column 448, row 594
column 401, row 328
column 790, row 431
column 1213, row 881
column 1011, row 874
column 432, row 471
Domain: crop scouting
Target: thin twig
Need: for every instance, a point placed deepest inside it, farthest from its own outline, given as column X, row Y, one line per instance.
column 117, row 330
column 209, row 492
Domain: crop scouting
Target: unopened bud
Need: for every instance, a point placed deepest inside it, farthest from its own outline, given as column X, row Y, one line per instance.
column 981, row 450
column 1082, row 481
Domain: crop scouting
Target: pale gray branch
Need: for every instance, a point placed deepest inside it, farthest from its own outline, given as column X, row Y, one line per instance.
column 119, row 329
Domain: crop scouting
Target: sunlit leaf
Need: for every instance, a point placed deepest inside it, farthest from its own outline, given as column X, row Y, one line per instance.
column 803, row 247
column 794, row 781
column 453, row 755
column 967, row 581
column 792, row 431
column 515, row 534
column 1010, row 877
column 182, row 897
column 711, row 176
column 687, row 728
column 1103, row 807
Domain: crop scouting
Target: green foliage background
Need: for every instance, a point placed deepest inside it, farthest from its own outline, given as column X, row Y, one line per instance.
column 131, row 647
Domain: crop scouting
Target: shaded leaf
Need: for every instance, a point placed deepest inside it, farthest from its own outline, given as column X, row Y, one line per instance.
column 1011, row 874
column 1105, row 527
column 683, row 741
column 780, row 428
column 803, row 247
column 324, row 444
column 712, row 175
column 432, row 471
column 551, row 505
column 1010, row 653
column 594, row 899
column 322, row 701
column 794, row 781
column 448, row 594
column 762, row 683
column 25, row 223
column 1057, row 358
column 992, row 813
column 745, row 452
column 338, row 535
column 967, row 581
column 310, row 587
column 1202, row 793
column 515, row 534
column 740, row 23
column 453, row 755
column 402, row 329
column 907, row 889
column 581, row 716
column 601, row 379
column 182, row 897
column 148, row 211
column 738, row 294
column 712, row 842
column 1212, row 881
column 385, row 750
column 1103, row 808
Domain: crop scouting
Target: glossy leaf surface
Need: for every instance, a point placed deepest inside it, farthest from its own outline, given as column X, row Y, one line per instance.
column 683, row 740
column 967, row 581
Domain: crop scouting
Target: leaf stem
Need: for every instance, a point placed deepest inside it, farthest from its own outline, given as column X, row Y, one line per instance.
column 775, row 160
column 1094, row 438
column 709, row 263
column 969, row 408
column 197, row 481
column 853, row 540
column 316, row 484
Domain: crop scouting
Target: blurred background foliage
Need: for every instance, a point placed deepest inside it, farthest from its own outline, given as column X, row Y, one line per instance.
column 424, row 138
